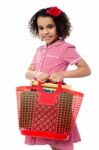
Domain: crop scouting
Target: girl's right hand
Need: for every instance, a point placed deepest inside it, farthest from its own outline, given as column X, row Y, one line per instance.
column 42, row 77
column 35, row 75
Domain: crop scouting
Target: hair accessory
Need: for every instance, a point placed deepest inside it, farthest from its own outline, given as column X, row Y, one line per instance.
column 54, row 11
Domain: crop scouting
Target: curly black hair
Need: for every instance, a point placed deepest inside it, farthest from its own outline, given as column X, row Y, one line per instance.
column 63, row 25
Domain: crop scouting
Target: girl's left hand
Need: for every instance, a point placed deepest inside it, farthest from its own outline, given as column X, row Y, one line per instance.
column 57, row 76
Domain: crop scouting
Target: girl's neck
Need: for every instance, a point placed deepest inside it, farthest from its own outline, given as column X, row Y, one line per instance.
column 53, row 41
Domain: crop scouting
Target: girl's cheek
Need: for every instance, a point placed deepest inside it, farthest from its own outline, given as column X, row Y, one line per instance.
column 40, row 33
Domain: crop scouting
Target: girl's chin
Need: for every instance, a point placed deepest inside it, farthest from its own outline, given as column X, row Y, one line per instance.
column 48, row 42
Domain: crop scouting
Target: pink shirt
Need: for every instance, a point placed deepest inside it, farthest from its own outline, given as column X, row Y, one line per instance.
column 56, row 57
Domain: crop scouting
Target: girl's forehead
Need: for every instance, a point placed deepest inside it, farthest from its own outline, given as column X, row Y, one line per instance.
column 45, row 20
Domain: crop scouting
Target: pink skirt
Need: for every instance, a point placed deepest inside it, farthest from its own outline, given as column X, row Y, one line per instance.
column 59, row 144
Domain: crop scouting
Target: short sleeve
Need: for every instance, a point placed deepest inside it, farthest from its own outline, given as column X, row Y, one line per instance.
column 71, row 56
column 36, row 56
column 34, row 60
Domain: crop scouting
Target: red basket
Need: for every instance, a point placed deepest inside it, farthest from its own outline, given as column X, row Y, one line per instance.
column 47, row 114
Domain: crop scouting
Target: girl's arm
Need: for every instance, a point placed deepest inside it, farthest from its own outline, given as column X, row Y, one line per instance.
column 81, row 71
column 30, row 73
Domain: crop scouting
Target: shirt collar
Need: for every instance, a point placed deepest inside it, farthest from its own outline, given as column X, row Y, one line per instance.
column 58, row 42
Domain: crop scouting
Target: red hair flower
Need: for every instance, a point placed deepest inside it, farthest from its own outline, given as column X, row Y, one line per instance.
column 54, row 11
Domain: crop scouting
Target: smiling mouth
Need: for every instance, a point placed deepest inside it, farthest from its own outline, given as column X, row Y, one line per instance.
column 47, row 37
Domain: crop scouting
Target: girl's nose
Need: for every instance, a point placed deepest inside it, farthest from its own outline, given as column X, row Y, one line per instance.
column 46, row 31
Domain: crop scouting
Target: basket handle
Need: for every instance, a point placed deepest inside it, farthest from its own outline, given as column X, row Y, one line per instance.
column 48, row 98
column 50, row 85
column 58, row 89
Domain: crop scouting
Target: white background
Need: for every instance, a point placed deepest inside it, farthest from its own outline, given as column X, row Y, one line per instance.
column 17, row 48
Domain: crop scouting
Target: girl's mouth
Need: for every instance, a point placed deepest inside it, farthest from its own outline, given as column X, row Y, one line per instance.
column 47, row 37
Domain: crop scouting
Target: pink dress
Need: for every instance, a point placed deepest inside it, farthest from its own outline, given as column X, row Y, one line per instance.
column 56, row 57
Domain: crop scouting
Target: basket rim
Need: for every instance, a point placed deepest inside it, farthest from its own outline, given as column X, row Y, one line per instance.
column 29, row 88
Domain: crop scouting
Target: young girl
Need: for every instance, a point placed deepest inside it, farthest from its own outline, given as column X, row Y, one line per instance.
column 51, row 60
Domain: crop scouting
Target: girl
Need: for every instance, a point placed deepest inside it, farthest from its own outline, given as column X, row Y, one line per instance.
column 51, row 60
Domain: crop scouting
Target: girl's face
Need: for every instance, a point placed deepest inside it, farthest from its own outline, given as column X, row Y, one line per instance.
column 47, row 29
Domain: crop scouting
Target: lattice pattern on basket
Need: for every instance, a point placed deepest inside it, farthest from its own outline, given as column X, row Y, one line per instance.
column 57, row 118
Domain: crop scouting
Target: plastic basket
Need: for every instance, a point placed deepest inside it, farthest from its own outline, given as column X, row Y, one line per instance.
column 49, row 114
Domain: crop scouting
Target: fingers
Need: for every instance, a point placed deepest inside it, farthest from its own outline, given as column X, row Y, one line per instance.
column 53, row 78
column 56, row 77
column 43, row 77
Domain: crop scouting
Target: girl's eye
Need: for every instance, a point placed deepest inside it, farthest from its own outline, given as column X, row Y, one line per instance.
column 50, row 27
column 40, row 28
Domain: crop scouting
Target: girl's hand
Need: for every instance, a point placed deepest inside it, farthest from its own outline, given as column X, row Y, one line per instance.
column 57, row 76
column 42, row 77
column 35, row 75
